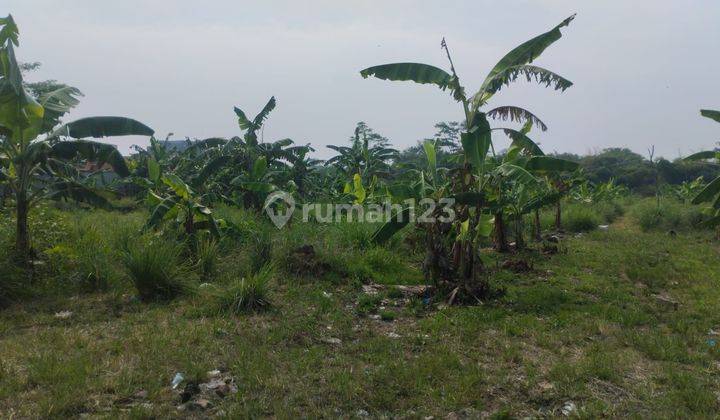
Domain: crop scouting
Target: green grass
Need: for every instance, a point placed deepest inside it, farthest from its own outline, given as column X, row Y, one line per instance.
column 585, row 325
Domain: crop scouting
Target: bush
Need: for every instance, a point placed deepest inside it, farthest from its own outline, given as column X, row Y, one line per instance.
column 95, row 256
column 155, row 269
column 247, row 294
column 609, row 211
column 580, row 218
column 671, row 215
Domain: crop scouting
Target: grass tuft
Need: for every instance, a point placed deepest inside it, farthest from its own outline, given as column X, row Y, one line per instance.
column 250, row 293
column 155, row 269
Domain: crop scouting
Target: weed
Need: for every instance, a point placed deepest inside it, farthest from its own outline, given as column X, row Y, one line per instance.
column 155, row 269
column 250, row 293
column 206, row 255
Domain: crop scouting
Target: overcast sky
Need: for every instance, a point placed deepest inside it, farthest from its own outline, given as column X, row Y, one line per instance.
column 642, row 69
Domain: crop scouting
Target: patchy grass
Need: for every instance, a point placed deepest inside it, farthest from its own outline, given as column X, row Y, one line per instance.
column 591, row 325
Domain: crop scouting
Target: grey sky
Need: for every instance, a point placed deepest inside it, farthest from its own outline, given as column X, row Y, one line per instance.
column 642, row 68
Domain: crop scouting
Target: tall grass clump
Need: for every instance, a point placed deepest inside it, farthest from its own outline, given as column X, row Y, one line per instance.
column 13, row 280
column 609, row 211
column 155, row 268
column 92, row 250
column 670, row 215
column 261, row 247
column 206, row 257
column 580, row 218
column 247, row 294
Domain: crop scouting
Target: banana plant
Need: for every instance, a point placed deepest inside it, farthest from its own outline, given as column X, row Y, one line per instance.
column 686, row 191
column 711, row 192
column 251, row 127
column 516, row 184
column 362, row 157
column 476, row 139
column 249, row 164
column 33, row 144
column 254, row 186
column 177, row 203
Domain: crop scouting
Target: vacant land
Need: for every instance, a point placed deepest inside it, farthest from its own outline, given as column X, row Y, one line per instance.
column 619, row 322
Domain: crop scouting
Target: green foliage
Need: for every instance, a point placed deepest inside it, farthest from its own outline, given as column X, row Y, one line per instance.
column 156, row 269
column 261, row 248
column 250, row 293
column 671, row 215
column 415, row 72
column 34, row 168
column 368, row 304
column 206, row 256
column 580, row 219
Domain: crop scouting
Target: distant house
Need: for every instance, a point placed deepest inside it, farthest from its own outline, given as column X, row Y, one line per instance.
column 101, row 174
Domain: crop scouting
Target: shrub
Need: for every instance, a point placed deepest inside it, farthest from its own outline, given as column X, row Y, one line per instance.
column 155, row 269
column 95, row 257
column 247, row 294
column 608, row 211
column 579, row 218
column 671, row 215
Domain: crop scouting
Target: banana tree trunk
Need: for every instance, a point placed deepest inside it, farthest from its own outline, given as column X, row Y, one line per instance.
column 519, row 239
column 190, row 225
column 3, row 196
column 558, row 217
column 22, row 233
column 501, row 244
column 537, row 229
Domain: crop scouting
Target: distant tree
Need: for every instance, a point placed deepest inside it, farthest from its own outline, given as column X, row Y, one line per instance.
column 448, row 135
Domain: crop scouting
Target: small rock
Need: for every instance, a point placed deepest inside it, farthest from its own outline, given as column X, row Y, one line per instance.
column 374, row 316
column 362, row 413
column 326, row 294
column 331, row 340
column 393, row 335
column 63, row 314
column 603, row 227
column 568, row 408
column 141, row 395
column 213, row 373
